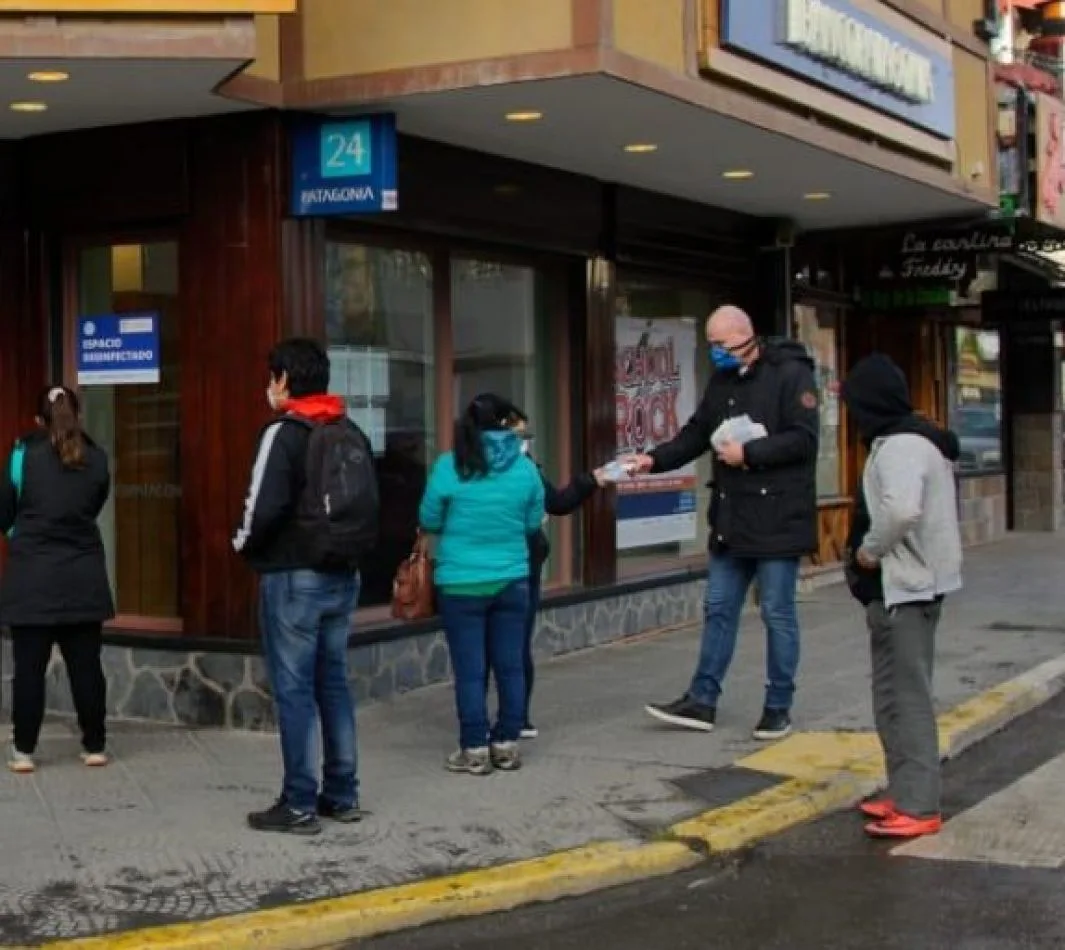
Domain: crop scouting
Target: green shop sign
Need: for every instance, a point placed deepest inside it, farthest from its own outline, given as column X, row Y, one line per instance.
column 904, row 298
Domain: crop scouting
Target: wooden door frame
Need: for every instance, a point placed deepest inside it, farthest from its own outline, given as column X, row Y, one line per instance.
column 71, row 246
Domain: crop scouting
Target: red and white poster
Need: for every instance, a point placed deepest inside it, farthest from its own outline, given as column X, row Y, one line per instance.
column 655, row 394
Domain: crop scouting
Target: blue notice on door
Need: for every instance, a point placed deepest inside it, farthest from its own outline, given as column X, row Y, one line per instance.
column 118, row 349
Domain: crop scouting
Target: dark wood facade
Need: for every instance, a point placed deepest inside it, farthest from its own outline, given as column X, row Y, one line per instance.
column 249, row 274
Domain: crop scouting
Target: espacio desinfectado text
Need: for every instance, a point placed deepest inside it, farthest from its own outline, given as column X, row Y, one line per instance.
column 109, row 350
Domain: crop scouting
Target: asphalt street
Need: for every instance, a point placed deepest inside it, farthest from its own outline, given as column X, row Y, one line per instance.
column 991, row 880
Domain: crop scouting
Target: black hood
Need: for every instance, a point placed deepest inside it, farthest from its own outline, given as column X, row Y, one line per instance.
column 878, row 400
column 784, row 351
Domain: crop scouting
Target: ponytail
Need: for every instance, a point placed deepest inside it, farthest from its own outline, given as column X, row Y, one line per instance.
column 60, row 413
column 488, row 412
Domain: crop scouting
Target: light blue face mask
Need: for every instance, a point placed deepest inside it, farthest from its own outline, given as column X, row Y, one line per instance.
column 723, row 359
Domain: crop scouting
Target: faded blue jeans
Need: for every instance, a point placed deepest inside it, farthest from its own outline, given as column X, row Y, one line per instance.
column 483, row 630
column 305, row 618
column 726, row 591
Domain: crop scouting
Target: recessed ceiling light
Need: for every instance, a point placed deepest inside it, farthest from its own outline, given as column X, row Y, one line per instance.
column 817, row 196
column 738, row 174
column 28, row 107
column 527, row 116
column 507, row 189
column 641, row 148
column 48, row 75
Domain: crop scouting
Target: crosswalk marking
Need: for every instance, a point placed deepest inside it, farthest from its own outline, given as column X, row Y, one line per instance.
column 1021, row 826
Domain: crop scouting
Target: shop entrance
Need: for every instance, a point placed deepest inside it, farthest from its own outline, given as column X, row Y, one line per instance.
column 136, row 424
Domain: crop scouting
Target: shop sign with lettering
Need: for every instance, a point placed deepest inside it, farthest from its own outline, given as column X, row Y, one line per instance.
column 119, row 349
column 951, row 255
column 1050, row 160
column 842, row 46
column 1003, row 305
column 344, row 166
column 906, row 298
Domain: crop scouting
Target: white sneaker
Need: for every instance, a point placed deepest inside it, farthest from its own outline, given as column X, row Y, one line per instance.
column 19, row 762
column 95, row 760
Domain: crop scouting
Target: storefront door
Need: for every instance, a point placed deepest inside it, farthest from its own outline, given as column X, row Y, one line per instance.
column 135, row 423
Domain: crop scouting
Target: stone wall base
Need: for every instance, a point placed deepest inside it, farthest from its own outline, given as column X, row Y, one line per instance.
column 982, row 501
column 224, row 689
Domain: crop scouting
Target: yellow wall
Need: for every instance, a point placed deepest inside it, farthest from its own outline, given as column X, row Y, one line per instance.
column 267, row 63
column 354, row 37
column 963, row 13
column 973, row 135
column 652, row 31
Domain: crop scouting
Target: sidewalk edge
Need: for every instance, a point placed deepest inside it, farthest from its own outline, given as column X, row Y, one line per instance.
column 582, row 870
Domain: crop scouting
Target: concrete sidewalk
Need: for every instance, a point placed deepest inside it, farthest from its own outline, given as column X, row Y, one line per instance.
column 160, row 837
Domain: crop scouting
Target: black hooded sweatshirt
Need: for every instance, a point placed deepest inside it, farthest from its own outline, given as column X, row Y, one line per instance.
column 878, row 401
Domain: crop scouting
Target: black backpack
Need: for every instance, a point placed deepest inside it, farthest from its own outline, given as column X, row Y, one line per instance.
column 340, row 507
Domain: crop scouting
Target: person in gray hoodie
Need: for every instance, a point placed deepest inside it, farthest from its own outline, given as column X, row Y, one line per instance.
column 904, row 558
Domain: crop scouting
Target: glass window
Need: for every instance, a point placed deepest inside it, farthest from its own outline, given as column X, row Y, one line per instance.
column 818, row 329
column 500, row 325
column 976, row 400
column 138, row 427
column 661, row 370
column 379, row 329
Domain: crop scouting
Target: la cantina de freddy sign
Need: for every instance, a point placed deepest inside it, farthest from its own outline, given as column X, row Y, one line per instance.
column 951, row 255
column 844, row 47
column 344, row 166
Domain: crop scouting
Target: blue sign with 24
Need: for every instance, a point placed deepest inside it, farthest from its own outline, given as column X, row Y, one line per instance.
column 344, row 166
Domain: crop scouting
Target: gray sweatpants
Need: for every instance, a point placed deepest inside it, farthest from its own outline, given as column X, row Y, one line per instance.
column 903, row 650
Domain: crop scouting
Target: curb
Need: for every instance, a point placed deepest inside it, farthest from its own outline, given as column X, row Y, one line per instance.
column 822, row 772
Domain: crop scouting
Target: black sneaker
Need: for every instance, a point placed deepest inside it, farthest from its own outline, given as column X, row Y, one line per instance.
column 279, row 817
column 346, row 816
column 774, row 724
column 687, row 713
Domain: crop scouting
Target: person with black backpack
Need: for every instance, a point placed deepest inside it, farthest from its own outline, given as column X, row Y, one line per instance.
column 311, row 516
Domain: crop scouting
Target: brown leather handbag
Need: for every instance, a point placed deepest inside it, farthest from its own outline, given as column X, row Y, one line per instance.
column 412, row 589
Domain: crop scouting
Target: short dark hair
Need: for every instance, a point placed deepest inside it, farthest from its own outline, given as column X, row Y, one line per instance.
column 306, row 363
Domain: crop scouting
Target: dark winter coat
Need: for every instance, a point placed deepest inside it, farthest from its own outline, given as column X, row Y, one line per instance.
column 558, row 502
column 768, row 507
column 56, row 569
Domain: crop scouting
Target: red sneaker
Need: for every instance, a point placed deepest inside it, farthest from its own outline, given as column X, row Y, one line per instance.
column 877, row 808
column 898, row 825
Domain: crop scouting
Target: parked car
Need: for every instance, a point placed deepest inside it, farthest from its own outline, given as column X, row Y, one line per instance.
column 979, row 430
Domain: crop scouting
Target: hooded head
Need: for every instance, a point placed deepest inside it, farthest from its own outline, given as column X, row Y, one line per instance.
column 484, row 438
column 877, row 396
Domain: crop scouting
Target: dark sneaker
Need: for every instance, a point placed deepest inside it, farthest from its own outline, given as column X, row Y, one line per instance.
column 505, row 756
column 346, row 815
column 285, row 820
column 774, row 724
column 686, row 713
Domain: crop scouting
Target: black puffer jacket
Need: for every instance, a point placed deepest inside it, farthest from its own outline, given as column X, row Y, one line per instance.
column 56, row 569
column 767, row 508
column 878, row 402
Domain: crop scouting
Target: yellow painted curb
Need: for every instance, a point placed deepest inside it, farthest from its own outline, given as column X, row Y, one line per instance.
column 330, row 922
column 823, row 772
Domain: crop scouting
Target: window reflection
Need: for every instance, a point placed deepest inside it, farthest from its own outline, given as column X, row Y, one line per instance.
column 976, row 399
column 379, row 328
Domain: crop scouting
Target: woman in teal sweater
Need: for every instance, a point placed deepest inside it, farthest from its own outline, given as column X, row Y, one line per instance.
column 483, row 500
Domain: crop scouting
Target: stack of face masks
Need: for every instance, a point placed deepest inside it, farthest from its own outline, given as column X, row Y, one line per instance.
column 739, row 429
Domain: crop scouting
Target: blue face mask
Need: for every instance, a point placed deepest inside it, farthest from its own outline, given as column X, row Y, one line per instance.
column 723, row 359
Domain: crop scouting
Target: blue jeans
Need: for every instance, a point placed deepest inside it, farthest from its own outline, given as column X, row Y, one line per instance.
column 305, row 618
column 479, row 628
column 726, row 590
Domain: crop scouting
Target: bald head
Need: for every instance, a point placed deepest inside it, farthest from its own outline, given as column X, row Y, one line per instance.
column 729, row 328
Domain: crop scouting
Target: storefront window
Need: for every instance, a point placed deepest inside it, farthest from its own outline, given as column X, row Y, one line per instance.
column 138, row 426
column 660, row 373
column 501, row 320
column 976, row 400
column 818, row 329
column 379, row 328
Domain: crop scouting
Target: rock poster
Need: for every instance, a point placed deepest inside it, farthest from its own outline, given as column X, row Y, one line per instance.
column 655, row 388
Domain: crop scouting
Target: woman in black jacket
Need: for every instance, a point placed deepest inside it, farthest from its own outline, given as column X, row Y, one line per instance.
column 557, row 502
column 55, row 588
